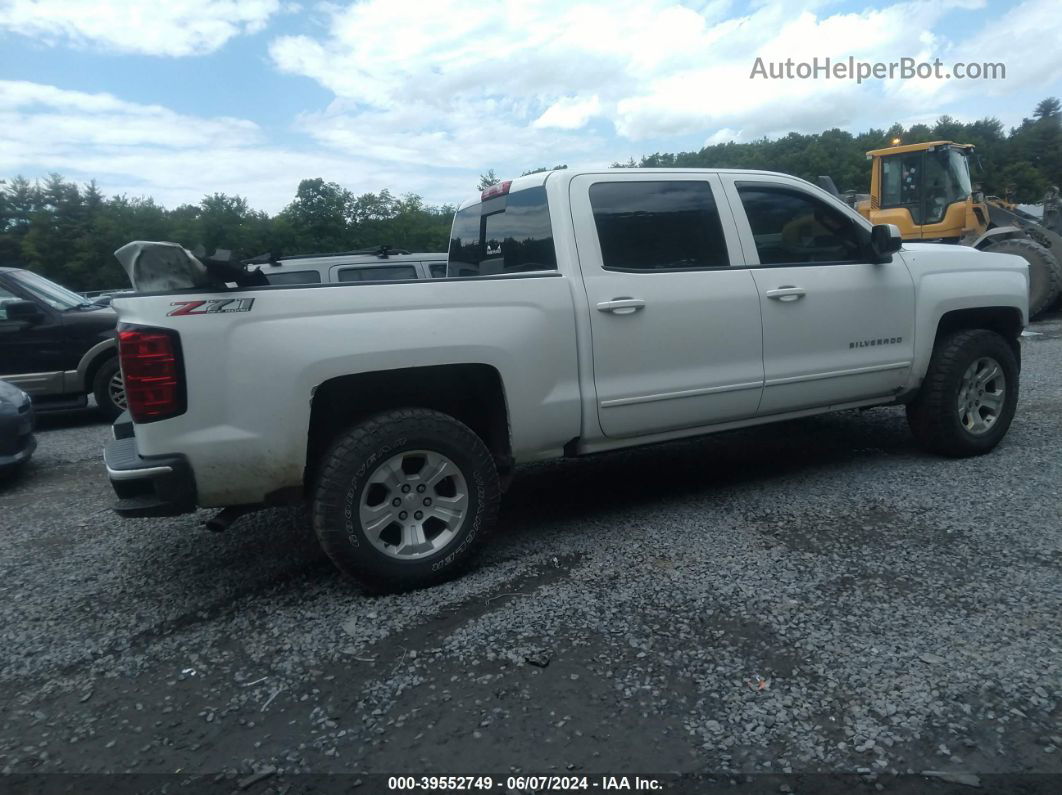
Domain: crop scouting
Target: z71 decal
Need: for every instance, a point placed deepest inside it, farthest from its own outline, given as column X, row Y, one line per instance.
column 211, row 306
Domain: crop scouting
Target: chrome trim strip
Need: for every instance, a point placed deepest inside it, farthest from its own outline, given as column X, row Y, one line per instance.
column 877, row 368
column 135, row 474
column 711, row 390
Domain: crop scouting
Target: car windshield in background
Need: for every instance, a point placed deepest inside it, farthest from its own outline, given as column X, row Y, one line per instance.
column 389, row 273
column 294, row 277
column 504, row 234
column 51, row 293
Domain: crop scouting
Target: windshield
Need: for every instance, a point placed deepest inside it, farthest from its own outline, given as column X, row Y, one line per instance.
column 49, row 292
column 947, row 181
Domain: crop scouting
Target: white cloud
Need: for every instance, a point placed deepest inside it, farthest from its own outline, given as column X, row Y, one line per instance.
column 722, row 136
column 39, row 116
column 468, row 81
column 569, row 113
column 428, row 95
column 152, row 27
column 177, row 158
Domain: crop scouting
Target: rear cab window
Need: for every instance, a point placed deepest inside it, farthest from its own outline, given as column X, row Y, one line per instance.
column 505, row 234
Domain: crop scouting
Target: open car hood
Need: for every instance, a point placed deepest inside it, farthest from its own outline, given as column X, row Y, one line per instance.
column 158, row 266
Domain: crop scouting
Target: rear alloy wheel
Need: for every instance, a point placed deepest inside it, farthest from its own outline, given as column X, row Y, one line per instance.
column 414, row 504
column 405, row 499
column 108, row 387
column 969, row 394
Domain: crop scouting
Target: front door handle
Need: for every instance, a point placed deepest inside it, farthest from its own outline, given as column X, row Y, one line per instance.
column 621, row 306
column 787, row 292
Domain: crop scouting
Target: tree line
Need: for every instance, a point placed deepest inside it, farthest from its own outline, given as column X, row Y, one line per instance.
column 1018, row 165
column 68, row 232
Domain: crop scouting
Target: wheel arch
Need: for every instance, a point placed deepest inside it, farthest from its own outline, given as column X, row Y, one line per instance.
column 92, row 360
column 1004, row 320
column 471, row 393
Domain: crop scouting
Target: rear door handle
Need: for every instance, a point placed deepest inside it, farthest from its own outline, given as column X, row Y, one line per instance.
column 621, row 306
column 787, row 292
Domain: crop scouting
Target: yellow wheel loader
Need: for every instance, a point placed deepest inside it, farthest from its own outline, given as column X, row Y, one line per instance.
column 926, row 191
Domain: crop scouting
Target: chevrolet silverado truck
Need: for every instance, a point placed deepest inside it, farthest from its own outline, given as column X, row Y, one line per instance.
column 582, row 312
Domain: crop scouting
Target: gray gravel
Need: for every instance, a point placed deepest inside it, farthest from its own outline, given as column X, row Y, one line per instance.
column 816, row 596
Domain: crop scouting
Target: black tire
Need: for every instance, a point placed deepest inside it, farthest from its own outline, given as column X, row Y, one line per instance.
column 1045, row 272
column 343, row 482
column 101, row 389
column 935, row 416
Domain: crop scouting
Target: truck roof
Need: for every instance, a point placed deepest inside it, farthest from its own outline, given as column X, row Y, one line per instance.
column 338, row 259
column 533, row 180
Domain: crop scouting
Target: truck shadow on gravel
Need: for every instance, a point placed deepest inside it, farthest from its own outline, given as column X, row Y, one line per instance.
column 568, row 491
column 575, row 489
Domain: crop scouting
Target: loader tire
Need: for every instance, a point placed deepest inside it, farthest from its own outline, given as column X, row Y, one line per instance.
column 405, row 499
column 1045, row 272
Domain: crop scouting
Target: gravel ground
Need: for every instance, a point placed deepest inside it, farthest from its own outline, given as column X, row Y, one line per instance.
column 815, row 597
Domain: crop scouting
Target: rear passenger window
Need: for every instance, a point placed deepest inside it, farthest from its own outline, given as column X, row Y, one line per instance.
column 384, row 274
column 658, row 226
column 504, row 234
column 792, row 228
column 437, row 270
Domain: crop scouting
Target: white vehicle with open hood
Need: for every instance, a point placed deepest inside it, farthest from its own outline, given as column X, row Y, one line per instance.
column 583, row 311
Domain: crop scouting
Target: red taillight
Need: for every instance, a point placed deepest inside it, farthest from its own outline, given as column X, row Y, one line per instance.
column 500, row 189
column 151, row 368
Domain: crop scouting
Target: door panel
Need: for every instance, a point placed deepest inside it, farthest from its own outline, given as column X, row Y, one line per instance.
column 30, row 347
column 834, row 331
column 673, row 347
column 849, row 337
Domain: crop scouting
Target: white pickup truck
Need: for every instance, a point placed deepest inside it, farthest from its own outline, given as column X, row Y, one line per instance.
column 583, row 311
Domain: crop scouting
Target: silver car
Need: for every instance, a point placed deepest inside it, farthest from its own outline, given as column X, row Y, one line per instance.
column 383, row 264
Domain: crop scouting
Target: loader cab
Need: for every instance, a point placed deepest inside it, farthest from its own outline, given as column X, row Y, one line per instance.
column 925, row 190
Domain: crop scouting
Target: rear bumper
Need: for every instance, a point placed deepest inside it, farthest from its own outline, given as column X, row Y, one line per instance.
column 147, row 486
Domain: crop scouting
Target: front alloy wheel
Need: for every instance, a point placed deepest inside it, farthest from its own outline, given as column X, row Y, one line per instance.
column 968, row 396
column 981, row 395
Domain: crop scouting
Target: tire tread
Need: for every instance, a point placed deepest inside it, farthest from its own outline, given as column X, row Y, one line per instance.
column 931, row 415
column 334, row 479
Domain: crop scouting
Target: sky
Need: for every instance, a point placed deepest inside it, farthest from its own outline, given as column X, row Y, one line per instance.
column 179, row 98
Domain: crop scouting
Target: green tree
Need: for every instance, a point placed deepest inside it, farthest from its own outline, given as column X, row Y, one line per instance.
column 320, row 216
column 541, row 169
column 488, row 179
column 1050, row 108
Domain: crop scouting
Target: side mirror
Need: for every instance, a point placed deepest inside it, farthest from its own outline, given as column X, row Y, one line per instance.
column 26, row 311
column 885, row 240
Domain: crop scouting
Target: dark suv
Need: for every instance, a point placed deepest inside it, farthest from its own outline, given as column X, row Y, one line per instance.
column 57, row 345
